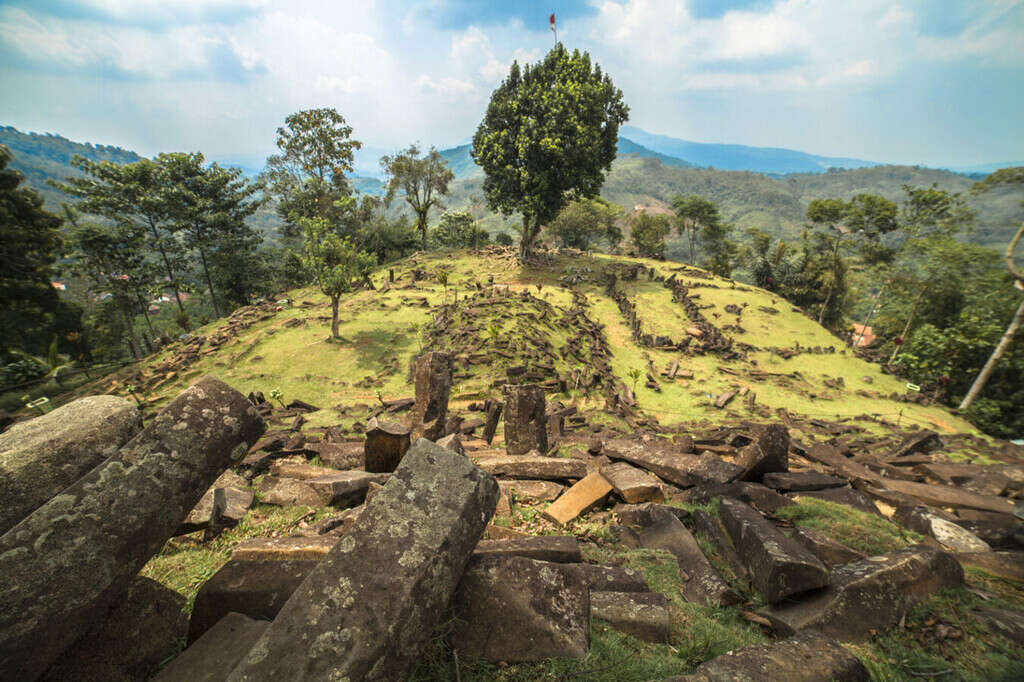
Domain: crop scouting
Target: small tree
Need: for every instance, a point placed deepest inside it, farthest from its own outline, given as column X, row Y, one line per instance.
column 648, row 234
column 423, row 179
column 585, row 221
column 695, row 215
column 455, row 230
column 335, row 264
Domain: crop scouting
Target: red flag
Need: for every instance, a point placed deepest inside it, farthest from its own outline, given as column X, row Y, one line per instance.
column 552, row 22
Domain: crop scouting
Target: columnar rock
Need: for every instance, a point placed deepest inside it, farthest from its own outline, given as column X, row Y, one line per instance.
column 633, row 485
column 584, row 495
column 525, row 420
column 63, row 565
column 492, row 410
column 778, row 565
column 367, row 610
column 561, row 549
column 870, row 594
column 42, row 456
column 386, row 444
column 670, row 461
column 433, row 386
column 519, row 610
column 212, row 657
column 643, row 615
column 534, row 467
column 768, row 453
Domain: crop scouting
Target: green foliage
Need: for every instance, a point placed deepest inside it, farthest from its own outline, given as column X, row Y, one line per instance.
column 584, row 222
column 335, row 263
column 457, row 230
column 423, row 180
column 550, row 130
column 648, row 234
column 864, row 532
column 504, row 239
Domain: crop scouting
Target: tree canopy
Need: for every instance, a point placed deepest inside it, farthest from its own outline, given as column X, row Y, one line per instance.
column 422, row 178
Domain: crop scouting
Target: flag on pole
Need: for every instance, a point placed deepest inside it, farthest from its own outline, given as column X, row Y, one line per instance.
column 552, row 22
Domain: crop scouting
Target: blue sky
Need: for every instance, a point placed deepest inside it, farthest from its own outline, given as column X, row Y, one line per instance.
column 934, row 82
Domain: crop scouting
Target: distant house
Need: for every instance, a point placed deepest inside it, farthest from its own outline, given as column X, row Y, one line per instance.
column 59, row 286
column 868, row 337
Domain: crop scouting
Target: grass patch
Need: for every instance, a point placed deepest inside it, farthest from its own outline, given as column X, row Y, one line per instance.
column 857, row 530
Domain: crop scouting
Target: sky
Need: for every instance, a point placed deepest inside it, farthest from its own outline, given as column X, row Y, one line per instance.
column 932, row 82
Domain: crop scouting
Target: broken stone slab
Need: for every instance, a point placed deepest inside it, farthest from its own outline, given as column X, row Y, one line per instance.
column 531, row 491
column 525, row 419
column 643, row 615
column 300, row 470
column 778, row 565
column 611, row 578
column 422, row 526
column 760, row 497
column 131, row 641
column 989, row 483
column 212, row 657
column 830, row 552
column 947, row 496
column 800, row 481
column 924, row 441
column 835, row 460
column 643, row 515
column 633, row 485
column 257, row 588
column 42, row 456
column 1008, row 624
column 1005, row 564
column 559, row 549
column 238, row 504
column 769, row 453
column 849, row 496
column 805, row 657
column 533, row 467
column 941, row 526
column 708, row 526
column 995, row 529
column 580, row 498
column 701, row 582
column 287, row 492
column 433, row 380
column 64, row 564
column 668, row 461
column 386, row 444
column 870, row 594
column 452, row 442
column 520, row 610
column 345, row 488
column 492, row 411
column 281, row 549
column 341, row 455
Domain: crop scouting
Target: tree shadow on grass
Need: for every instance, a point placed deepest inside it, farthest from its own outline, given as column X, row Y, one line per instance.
column 373, row 347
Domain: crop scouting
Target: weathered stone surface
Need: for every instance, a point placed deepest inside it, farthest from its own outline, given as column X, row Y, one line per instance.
column 806, row 657
column 452, row 442
column 708, row 526
column 492, row 412
column 531, row 491
column 923, row 441
column 768, row 453
column 367, row 610
column 778, row 565
column 70, row 559
column 633, row 485
column 762, row 498
column 433, row 377
column 947, row 496
column 341, row 455
column 611, row 578
column 131, row 641
column 830, row 552
column 643, row 515
column 870, row 594
column 798, row 481
column 345, row 488
column 42, row 456
column 941, row 527
column 516, row 609
column 287, row 492
column 995, row 529
column 669, row 462
column 299, row 470
column 386, row 444
column 295, row 547
column 643, row 615
column 586, row 494
column 1005, row 564
column 212, row 657
column 531, row 467
column 256, row 588
column 560, row 549
column 238, row 504
column 1009, row 624
column 525, row 420
column 848, row 496
column 701, row 583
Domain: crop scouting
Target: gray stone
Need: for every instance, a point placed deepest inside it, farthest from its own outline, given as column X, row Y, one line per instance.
column 256, row 588
column 63, row 565
column 701, row 582
column 769, row 453
column 643, row 515
column 345, row 488
column 778, row 565
column 534, row 467
column 295, row 547
column 633, row 485
column 798, row 481
column 212, row 657
column 611, row 578
column 42, row 456
column 806, row 657
column 531, row 491
column 870, row 594
column 1009, row 624
column 643, row 615
column 452, row 442
column 287, row 492
column 830, row 552
column 386, row 444
column 708, row 526
column 670, row 462
column 371, row 605
column 762, row 498
column 562, row 549
column 238, row 504
column 849, row 496
column 520, row 610
column 433, row 379
column 525, row 419
column 341, row 455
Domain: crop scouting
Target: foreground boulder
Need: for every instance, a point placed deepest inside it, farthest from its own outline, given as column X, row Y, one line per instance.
column 804, row 658
column 870, row 594
column 62, row 566
column 42, row 456
column 367, row 610
column 517, row 610
column 778, row 565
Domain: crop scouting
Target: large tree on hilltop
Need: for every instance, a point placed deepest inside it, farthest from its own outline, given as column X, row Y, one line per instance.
column 424, row 180
column 308, row 175
column 550, row 133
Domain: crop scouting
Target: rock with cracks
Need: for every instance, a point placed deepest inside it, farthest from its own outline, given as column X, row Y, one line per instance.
column 433, row 378
column 525, row 419
column 368, row 609
column 804, row 658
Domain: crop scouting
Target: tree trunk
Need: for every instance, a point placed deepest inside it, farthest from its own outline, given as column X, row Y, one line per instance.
column 691, row 233
column 130, row 328
column 871, row 313
column 910, row 320
column 832, row 284
column 334, row 316
column 423, row 229
column 524, row 240
column 209, row 282
column 167, row 264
